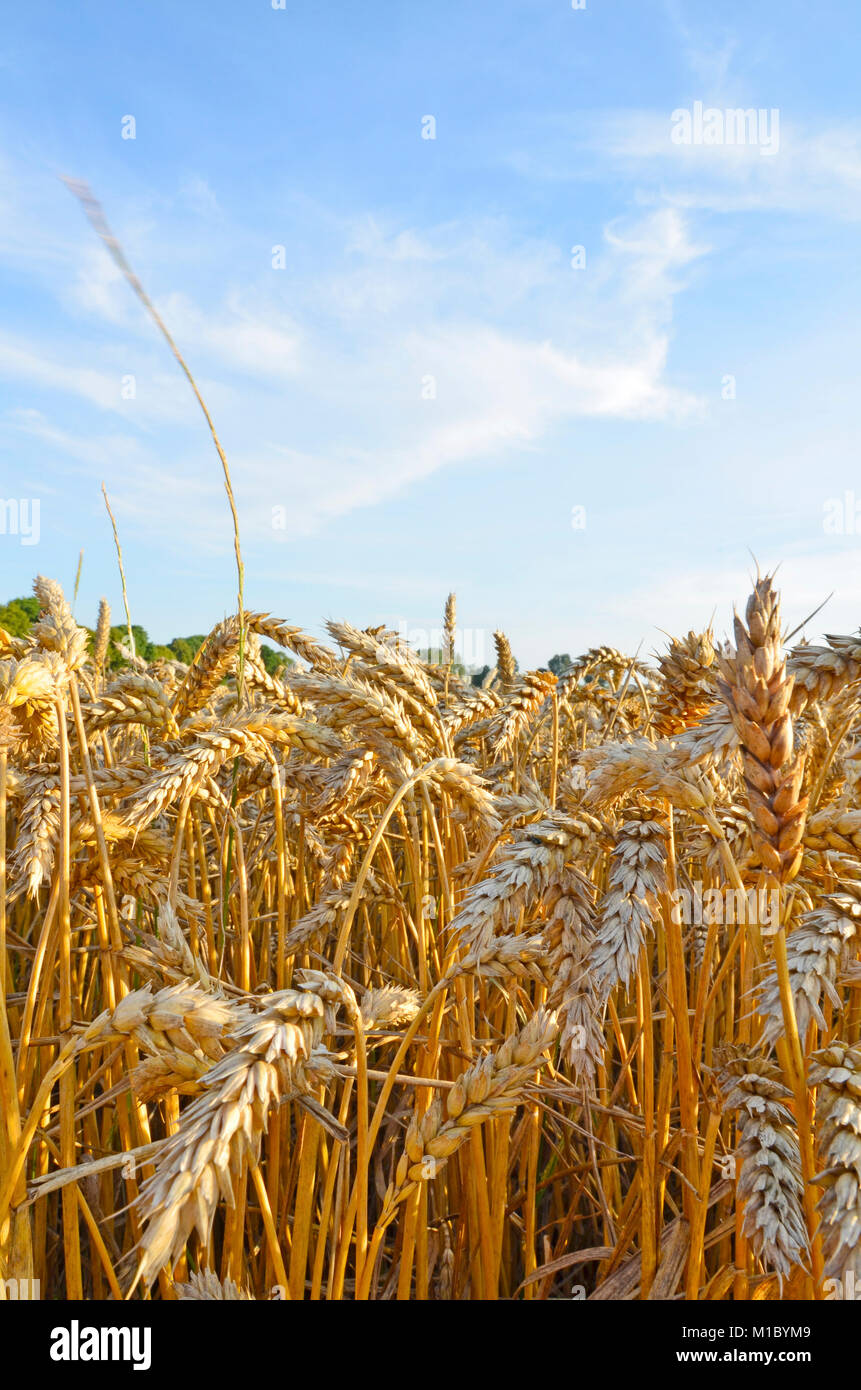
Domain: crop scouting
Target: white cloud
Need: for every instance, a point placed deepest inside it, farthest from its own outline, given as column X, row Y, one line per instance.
column 815, row 170
column 339, row 356
column 495, row 390
column 99, row 289
column 240, row 337
column 645, row 604
column 28, row 362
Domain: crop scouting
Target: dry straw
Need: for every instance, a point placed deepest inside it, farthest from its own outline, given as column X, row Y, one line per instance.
column 378, row 977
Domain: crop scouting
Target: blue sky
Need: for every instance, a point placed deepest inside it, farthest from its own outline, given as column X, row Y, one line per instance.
column 428, row 387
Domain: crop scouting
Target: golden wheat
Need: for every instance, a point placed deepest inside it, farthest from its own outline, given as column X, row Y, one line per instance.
column 359, row 981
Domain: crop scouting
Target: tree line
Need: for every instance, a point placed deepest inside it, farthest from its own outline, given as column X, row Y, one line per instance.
column 19, row 614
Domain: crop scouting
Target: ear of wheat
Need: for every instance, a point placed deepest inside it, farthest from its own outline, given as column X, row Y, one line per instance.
column 358, row 981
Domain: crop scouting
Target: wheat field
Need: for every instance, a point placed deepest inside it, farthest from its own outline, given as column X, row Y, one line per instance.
column 357, row 981
column 351, row 979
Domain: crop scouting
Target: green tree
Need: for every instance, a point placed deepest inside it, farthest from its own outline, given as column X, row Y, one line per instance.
column 435, row 656
column 273, row 658
column 560, row 664
column 120, row 637
column 185, row 649
column 18, row 616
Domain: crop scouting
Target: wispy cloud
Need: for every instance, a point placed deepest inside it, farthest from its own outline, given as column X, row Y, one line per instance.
column 23, row 361
column 410, row 355
column 816, row 170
